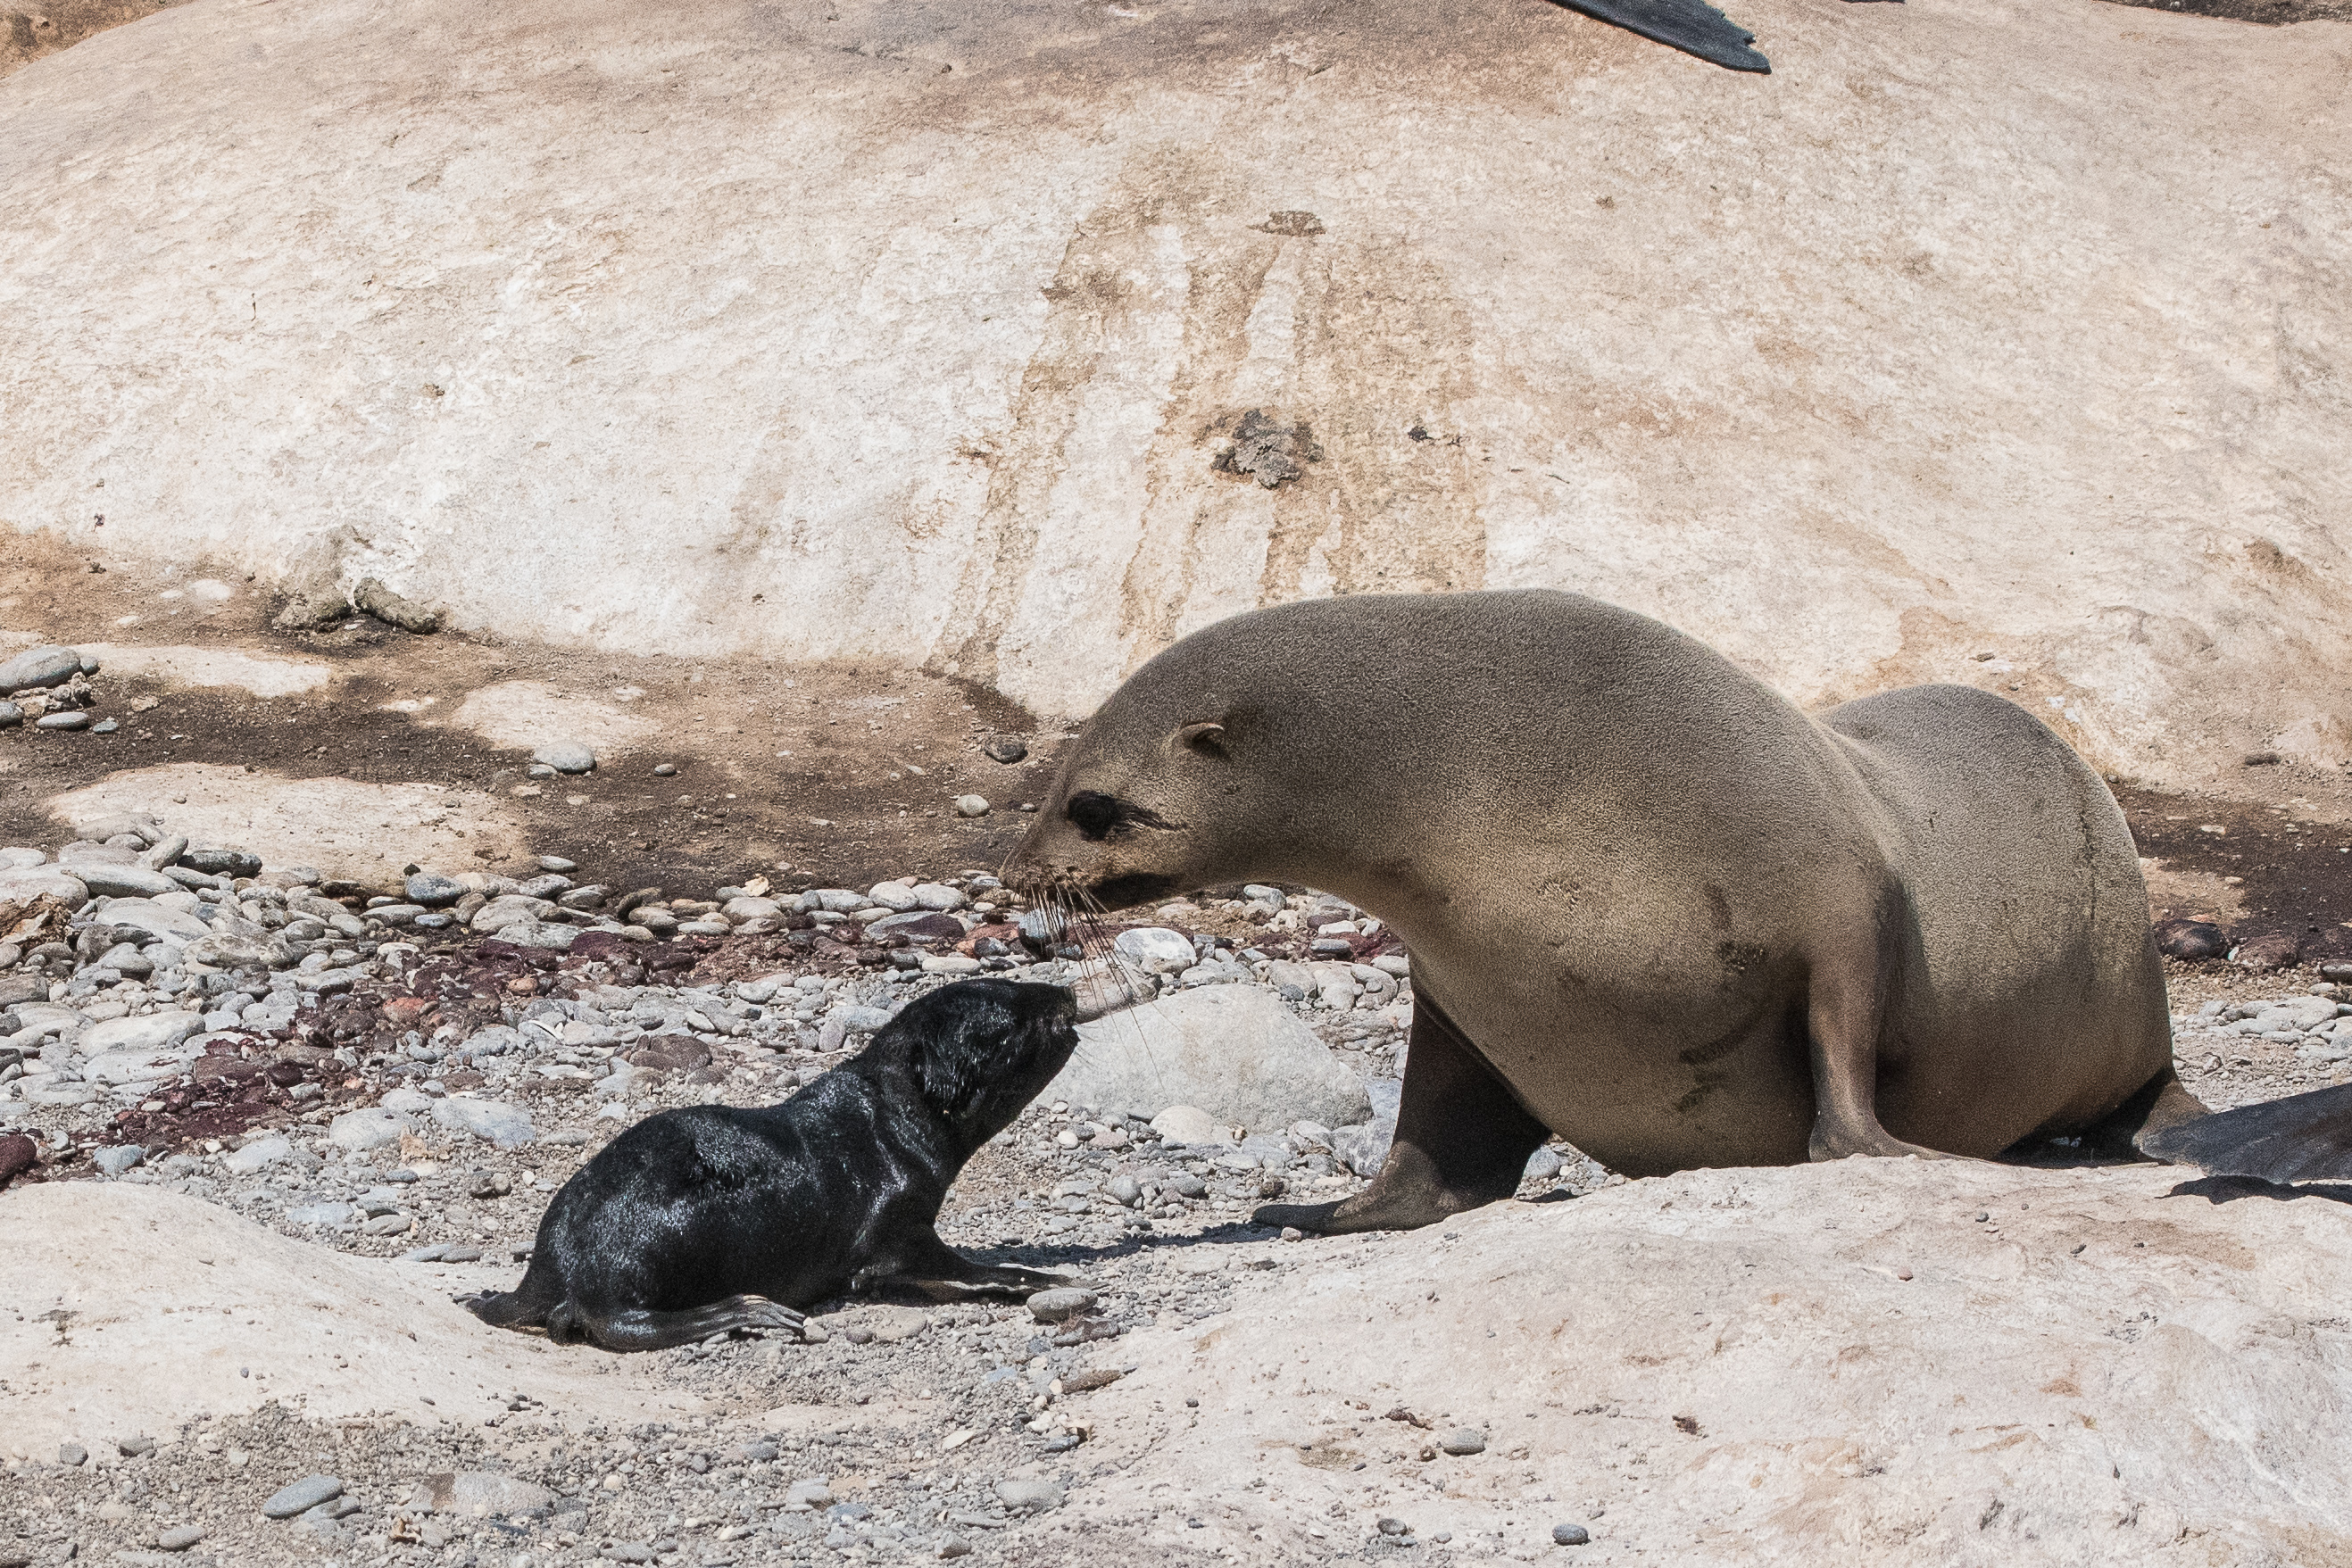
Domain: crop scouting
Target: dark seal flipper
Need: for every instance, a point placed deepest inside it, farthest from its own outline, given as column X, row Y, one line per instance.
column 505, row 1310
column 1461, row 1140
column 1692, row 26
column 2303, row 1138
column 638, row 1328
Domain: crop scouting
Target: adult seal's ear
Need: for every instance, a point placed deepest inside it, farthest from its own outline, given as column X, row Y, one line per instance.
column 1207, row 737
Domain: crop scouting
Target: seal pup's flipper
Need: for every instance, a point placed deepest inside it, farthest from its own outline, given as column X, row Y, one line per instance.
column 2303, row 1138
column 634, row 1328
column 929, row 1267
column 1693, row 27
column 506, row 1310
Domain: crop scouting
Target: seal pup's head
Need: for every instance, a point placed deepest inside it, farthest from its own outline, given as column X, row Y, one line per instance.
column 981, row 1050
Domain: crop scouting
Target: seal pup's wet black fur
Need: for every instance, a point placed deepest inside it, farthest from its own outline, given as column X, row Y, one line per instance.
column 709, row 1218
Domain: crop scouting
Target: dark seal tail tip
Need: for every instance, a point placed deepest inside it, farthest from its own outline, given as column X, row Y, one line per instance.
column 2301, row 1138
column 1692, row 26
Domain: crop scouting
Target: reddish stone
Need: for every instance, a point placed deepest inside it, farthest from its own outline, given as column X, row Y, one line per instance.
column 18, row 1153
column 2191, row 939
column 670, row 1054
column 2272, row 950
column 1008, row 935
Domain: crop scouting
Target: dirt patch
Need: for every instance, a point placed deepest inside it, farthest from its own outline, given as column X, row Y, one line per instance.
column 2255, row 867
column 847, row 772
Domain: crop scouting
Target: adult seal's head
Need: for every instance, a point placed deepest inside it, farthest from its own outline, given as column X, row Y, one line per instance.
column 1652, row 907
column 1240, row 751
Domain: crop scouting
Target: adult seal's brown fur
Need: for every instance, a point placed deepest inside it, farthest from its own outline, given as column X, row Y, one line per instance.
column 1652, row 907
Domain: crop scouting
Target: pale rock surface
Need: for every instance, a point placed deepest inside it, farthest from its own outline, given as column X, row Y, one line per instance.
column 370, row 1127
column 344, row 828
column 493, row 1121
column 2172, row 1392
column 138, row 1066
column 910, row 333
column 331, row 1334
column 260, row 674
column 1234, row 1051
column 1156, row 948
column 526, row 715
column 176, row 924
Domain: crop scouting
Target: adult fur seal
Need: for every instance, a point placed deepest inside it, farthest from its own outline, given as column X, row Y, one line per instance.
column 1652, row 907
column 709, row 1218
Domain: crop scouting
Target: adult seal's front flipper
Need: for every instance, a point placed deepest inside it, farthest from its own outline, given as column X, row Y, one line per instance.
column 1692, row 26
column 2303, row 1138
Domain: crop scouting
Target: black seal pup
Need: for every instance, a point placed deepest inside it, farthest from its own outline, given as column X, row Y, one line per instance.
column 1652, row 907
column 708, row 1218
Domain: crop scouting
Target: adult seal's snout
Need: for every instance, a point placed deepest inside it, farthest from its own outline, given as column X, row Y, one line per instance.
column 1652, row 907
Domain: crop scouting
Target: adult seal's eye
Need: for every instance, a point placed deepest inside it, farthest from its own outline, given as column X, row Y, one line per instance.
column 1095, row 814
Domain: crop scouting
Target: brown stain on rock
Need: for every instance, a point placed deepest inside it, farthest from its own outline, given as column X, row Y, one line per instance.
column 1378, row 345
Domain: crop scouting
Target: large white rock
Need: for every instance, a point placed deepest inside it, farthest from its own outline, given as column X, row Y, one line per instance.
column 176, row 924
column 106, row 880
column 909, row 333
column 1733, row 1366
column 150, row 1032
column 171, row 1296
column 1234, row 1051
column 24, row 883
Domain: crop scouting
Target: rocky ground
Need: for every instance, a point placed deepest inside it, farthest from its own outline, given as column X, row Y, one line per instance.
column 408, row 1073
column 399, row 1061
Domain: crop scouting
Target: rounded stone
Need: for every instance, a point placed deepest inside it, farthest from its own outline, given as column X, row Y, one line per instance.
column 180, row 1537
column 1571, row 1535
column 1463, row 1440
column 1060, row 1304
column 1188, row 1125
column 46, row 666
column 11, row 716
column 1024, row 1496
column 300, row 1496
column 966, row 804
column 433, row 892
column 557, row 863
column 566, row 756
column 1005, row 748
column 72, row 719
column 371, row 1127
column 939, row 896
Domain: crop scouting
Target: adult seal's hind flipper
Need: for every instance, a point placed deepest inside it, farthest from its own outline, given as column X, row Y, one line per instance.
column 2303, row 1138
column 1693, row 27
